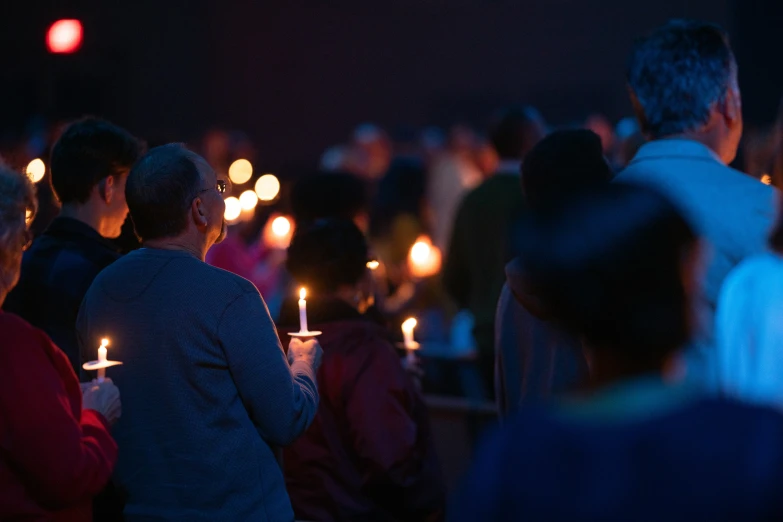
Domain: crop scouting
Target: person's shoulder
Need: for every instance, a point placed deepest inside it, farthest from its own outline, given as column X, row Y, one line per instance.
column 767, row 267
column 18, row 333
column 740, row 416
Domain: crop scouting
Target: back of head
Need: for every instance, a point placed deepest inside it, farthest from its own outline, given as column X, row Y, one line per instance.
column 328, row 195
column 17, row 208
column 88, row 151
column 676, row 74
column 563, row 164
column 160, row 189
column 610, row 266
column 327, row 255
column 517, row 131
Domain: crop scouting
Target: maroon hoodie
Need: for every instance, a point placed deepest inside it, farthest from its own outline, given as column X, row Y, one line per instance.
column 369, row 453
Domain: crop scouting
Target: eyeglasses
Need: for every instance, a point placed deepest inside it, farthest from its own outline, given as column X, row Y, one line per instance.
column 221, row 186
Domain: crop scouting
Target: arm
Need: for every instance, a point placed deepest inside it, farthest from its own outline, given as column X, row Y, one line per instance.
column 64, row 459
column 280, row 399
column 390, row 435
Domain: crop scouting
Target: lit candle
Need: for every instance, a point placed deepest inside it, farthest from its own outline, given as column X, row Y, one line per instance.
column 407, row 335
column 102, row 352
column 302, row 311
column 102, row 363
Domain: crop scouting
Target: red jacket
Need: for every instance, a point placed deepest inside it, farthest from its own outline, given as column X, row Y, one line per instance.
column 369, row 453
column 54, row 456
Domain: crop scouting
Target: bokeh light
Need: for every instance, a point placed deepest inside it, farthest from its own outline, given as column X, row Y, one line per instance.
column 278, row 232
column 424, row 259
column 240, row 171
column 36, row 170
column 766, row 179
column 64, row 36
column 233, row 209
column 248, row 200
column 420, row 252
column 267, row 187
column 373, row 265
column 281, row 226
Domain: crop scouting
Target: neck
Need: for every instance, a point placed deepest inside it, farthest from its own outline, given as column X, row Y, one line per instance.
column 711, row 139
column 606, row 370
column 181, row 244
column 86, row 214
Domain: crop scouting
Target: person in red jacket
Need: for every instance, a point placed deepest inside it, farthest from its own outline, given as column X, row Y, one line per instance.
column 369, row 454
column 56, row 452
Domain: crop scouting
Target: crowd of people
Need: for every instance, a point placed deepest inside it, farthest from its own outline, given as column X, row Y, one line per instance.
column 618, row 290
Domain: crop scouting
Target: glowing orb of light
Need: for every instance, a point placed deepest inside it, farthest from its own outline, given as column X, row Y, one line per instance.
column 248, row 200
column 281, row 226
column 64, row 36
column 240, row 171
column 373, row 265
column 424, row 259
column 267, row 187
column 36, row 170
column 233, row 209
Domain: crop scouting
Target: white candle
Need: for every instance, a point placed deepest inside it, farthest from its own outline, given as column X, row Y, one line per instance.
column 407, row 335
column 102, row 358
column 302, row 311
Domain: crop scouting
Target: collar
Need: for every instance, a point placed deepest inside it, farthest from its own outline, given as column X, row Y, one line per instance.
column 70, row 228
column 638, row 397
column 675, row 148
column 509, row 167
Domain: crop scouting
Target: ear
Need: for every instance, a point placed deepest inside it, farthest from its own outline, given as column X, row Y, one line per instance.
column 732, row 107
column 638, row 110
column 106, row 189
column 198, row 214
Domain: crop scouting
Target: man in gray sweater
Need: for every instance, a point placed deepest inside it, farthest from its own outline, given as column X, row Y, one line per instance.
column 208, row 392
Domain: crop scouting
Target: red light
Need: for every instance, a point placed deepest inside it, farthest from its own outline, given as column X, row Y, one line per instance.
column 65, row 36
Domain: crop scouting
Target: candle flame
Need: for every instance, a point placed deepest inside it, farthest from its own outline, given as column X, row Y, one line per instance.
column 104, row 342
column 302, row 294
column 373, row 265
column 409, row 324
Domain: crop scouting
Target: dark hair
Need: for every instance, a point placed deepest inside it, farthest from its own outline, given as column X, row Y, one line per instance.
column 160, row 189
column 328, row 254
column 676, row 73
column 563, row 164
column 88, row 151
column 328, row 195
column 608, row 266
column 516, row 131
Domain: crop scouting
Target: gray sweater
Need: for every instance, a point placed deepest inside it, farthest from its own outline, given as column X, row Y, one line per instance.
column 207, row 392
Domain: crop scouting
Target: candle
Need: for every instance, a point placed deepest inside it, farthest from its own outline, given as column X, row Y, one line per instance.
column 302, row 311
column 407, row 335
column 102, row 352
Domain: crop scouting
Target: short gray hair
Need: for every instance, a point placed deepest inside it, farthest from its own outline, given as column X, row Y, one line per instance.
column 18, row 205
column 677, row 72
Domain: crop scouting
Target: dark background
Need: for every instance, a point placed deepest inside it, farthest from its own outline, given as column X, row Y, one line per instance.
column 298, row 78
